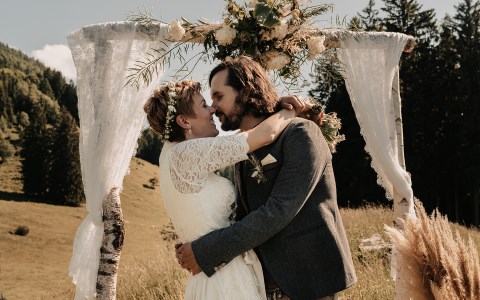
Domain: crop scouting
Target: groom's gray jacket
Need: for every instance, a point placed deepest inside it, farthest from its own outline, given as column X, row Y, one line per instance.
column 292, row 220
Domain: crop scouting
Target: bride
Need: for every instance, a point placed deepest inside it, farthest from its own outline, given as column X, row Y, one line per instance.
column 196, row 199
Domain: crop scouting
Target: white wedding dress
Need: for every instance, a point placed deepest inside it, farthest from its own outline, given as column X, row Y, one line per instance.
column 198, row 201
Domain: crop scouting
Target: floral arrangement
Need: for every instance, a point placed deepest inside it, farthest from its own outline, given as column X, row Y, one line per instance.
column 172, row 100
column 279, row 34
column 330, row 127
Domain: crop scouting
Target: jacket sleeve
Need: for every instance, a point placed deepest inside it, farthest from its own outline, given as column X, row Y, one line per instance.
column 304, row 160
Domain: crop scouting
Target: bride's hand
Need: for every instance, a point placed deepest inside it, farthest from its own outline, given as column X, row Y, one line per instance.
column 293, row 102
column 303, row 108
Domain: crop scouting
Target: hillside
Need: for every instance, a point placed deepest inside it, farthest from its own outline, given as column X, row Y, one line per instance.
column 35, row 266
column 25, row 82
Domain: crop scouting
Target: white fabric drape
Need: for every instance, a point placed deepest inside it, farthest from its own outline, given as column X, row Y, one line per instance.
column 111, row 118
column 370, row 66
column 370, row 62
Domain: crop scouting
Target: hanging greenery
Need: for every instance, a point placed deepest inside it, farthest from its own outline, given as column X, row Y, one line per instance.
column 279, row 34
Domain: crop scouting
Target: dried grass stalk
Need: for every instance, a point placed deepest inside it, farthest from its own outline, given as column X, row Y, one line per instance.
column 436, row 264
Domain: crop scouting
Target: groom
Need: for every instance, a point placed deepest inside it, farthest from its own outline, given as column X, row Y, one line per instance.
column 287, row 211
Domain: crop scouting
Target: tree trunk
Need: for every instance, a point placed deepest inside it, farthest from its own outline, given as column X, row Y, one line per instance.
column 111, row 247
column 401, row 206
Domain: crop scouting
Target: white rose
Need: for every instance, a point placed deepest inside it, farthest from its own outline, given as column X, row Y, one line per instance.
column 176, row 31
column 280, row 31
column 315, row 46
column 277, row 61
column 225, row 35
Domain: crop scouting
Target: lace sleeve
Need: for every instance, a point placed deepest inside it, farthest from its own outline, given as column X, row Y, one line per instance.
column 191, row 161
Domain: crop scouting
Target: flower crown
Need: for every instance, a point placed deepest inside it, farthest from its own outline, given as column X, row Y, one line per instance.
column 171, row 101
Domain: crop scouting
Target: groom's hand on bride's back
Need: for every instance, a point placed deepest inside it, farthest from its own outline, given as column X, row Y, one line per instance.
column 186, row 258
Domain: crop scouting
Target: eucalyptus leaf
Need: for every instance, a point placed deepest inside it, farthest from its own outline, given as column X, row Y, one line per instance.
column 266, row 15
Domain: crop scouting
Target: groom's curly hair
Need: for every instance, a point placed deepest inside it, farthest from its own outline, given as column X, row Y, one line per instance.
column 156, row 108
column 256, row 92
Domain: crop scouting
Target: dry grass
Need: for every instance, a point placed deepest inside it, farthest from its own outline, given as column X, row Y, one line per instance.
column 35, row 266
column 159, row 277
column 373, row 269
column 438, row 264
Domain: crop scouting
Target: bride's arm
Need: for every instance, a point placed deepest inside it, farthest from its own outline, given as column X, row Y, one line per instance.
column 191, row 161
column 269, row 130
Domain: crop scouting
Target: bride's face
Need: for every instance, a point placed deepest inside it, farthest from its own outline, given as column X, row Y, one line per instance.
column 202, row 123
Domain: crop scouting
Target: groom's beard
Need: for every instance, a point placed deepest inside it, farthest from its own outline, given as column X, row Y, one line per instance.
column 232, row 121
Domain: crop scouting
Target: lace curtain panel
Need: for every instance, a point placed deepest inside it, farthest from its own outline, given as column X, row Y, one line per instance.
column 370, row 63
column 111, row 118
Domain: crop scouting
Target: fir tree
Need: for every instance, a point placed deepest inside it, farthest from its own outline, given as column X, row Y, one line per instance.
column 36, row 154
column 69, row 99
column 369, row 20
column 466, row 117
column 65, row 176
column 149, row 146
column 407, row 16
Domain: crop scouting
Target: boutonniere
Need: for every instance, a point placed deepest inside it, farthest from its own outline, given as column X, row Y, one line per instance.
column 258, row 166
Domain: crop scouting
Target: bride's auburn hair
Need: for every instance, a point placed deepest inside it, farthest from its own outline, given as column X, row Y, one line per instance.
column 156, row 108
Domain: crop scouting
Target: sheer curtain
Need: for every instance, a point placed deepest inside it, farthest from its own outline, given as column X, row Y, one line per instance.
column 111, row 118
column 370, row 63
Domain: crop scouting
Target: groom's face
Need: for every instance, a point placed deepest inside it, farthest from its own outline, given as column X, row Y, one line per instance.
column 224, row 99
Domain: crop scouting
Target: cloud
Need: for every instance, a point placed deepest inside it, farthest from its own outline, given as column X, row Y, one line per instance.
column 57, row 57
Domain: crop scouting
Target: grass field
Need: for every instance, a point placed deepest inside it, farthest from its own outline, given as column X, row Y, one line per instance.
column 35, row 266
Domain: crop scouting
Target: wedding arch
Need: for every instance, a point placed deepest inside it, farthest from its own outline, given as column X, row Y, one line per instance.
column 111, row 118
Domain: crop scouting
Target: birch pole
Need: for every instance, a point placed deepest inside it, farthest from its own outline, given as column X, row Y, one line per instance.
column 401, row 206
column 111, row 247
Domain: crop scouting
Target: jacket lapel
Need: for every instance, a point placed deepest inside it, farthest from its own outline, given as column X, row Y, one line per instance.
column 238, row 185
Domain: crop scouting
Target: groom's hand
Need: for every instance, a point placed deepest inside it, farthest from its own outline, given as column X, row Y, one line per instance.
column 187, row 257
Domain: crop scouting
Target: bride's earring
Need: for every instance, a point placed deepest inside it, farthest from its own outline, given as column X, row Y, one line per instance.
column 190, row 131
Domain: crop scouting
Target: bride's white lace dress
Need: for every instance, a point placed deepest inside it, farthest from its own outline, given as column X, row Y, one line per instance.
column 199, row 201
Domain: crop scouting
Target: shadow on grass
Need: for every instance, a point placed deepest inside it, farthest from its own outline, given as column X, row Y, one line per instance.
column 19, row 197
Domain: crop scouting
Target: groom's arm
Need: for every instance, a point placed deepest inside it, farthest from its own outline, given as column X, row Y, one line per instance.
column 305, row 157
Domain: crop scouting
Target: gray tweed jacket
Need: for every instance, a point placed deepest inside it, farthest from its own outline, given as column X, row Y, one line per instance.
column 292, row 220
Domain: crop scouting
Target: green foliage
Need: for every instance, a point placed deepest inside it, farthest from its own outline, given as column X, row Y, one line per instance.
column 21, row 230
column 407, row 16
column 69, row 99
column 65, row 186
column 3, row 123
column 25, row 82
column 23, row 119
column 440, row 82
column 37, row 141
column 6, row 150
column 149, row 146
column 267, row 15
column 369, row 20
column 30, row 94
column 273, row 33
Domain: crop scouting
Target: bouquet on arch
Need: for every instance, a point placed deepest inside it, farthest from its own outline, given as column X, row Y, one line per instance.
column 279, row 34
